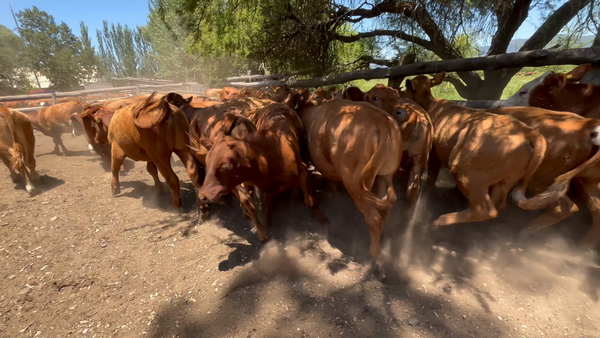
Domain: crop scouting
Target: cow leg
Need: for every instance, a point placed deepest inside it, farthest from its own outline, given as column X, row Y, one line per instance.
column 31, row 163
column 592, row 190
column 307, row 191
column 500, row 191
column 117, row 159
column 5, row 155
column 172, row 181
column 414, row 181
column 250, row 210
column 563, row 210
column 372, row 218
column 385, row 190
column 480, row 208
column 58, row 142
column 153, row 171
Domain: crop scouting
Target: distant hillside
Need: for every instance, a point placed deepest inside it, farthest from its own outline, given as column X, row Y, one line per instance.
column 584, row 41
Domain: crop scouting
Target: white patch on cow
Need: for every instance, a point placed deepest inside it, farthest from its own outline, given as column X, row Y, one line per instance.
column 30, row 189
column 91, row 148
column 521, row 97
column 445, row 180
column 73, row 132
column 596, row 136
column 42, row 104
column 518, row 194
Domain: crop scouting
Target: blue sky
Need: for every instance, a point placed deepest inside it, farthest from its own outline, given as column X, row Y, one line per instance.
column 130, row 12
column 92, row 12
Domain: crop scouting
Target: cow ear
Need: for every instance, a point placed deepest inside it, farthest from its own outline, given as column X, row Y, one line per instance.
column 409, row 86
column 579, row 72
column 189, row 100
column 438, row 78
column 332, row 89
column 293, row 100
column 555, row 82
column 229, row 123
column 353, row 94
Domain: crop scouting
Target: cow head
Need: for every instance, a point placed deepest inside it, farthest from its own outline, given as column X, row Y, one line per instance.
column 77, row 123
column 227, row 166
column 321, row 95
column 101, row 127
column 385, row 98
column 280, row 93
column 419, row 89
column 178, row 100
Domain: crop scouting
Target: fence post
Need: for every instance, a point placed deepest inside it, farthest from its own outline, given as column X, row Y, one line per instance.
column 53, row 98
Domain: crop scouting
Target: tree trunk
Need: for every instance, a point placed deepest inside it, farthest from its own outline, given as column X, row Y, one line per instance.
column 396, row 82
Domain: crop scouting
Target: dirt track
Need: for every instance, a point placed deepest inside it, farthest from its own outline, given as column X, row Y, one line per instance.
column 77, row 261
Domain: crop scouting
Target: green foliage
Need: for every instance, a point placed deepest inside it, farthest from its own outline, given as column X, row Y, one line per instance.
column 54, row 49
column 278, row 34
column 125, row 52
column 88, row 59
column 13, row 64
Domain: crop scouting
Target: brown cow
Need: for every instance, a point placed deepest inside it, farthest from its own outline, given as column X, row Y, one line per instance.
column 151, row 130
column 486, row 153
column 560, row 92
column 55, row 120
column 228, row 93
column 268, row 159
column 280, row 93
column 415, row 124
column 572, row 142
column 17, row 144
column 321, row 95
column 87, row 124
column 212, row 123
column 359, row 145
column 213, row 93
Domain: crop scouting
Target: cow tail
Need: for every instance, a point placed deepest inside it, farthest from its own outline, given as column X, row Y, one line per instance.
column 371, row 169
column 17, row 148
column 559, row 188
column 539, row 144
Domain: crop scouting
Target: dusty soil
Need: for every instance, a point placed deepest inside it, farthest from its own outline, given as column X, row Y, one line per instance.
column 76, row 261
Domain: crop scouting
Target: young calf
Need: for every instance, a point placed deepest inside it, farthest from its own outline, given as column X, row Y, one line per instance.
column 268, row 159
column 151, row 131
column 55, row 120
column 17, row 145
column 487, row 154
column 361, row 146
column 415, row 124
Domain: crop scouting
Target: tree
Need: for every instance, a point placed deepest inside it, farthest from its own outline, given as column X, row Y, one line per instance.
column 54, row 49
column 291, row 33
column 89, row 61
column 13, row 63
column 125, row 52
column 256, row 32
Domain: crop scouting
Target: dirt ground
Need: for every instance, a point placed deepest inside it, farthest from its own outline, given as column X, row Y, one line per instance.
column 76, row 261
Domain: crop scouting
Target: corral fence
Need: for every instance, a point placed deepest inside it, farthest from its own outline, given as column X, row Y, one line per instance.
column 182, row 88
column 535, row 58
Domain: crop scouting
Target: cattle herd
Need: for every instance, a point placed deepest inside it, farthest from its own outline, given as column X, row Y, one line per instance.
column 257, row 144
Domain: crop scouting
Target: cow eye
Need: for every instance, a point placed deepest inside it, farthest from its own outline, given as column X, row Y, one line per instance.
column 375, row 98
column 523, row 92
column 401, row 113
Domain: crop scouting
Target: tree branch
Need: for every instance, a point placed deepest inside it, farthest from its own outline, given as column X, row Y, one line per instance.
column 461, row 88
column 384, row 32
column 554, row 24
column 510, row 19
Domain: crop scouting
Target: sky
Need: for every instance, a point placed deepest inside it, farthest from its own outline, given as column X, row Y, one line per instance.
column 130, row 12
column 72, row 12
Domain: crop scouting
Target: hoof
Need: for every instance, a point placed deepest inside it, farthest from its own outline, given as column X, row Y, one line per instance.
column 30, row 190
column 377, row 268
column 116, row 191
column 265, row 240
column 15, row 179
